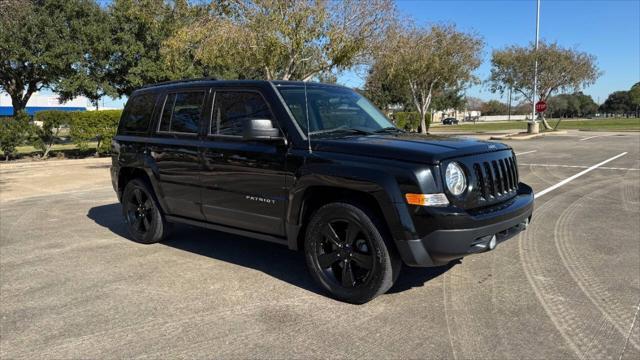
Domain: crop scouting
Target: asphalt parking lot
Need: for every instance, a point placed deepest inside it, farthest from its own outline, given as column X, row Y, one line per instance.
column 73, row 286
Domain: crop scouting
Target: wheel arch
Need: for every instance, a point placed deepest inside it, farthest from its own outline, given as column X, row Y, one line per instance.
column 379, row 193
column 126, row 174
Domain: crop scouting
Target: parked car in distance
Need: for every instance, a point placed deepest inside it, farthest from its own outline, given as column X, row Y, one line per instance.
column 316, row 168
column 450, row 121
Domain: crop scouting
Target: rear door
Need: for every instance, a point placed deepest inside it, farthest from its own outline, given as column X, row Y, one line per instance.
column 130, row 141
column 175, row 150
column 243, row 181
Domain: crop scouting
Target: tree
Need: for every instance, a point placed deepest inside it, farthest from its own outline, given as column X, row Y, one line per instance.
column 571, row 105
column 91, row 75
column 429, row 61
column 384, row 93
column 281, row 39
column 448, row 99
column 38, row 45
column 587, row 105
column 558, row 69
column 522, row 108
column 494, row 107
column 14, row 131
column 557, row 106
column 474, row 103
column 634, row 98
column 52, row 122
column 138, row 30
column 618, row 103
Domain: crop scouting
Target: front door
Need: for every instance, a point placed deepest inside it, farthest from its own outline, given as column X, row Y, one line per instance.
column 243, row 181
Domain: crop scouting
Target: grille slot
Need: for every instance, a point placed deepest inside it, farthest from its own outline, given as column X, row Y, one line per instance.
column 496, row 179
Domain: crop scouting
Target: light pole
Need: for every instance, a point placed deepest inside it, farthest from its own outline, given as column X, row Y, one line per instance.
column 509, row 117
column 535, row 71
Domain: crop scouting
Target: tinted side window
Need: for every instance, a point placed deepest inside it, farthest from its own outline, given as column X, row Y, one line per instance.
column 138, row 113
column 232, row 108
column 181, row 112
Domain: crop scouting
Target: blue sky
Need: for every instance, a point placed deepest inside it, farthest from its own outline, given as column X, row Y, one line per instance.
column 610, row 30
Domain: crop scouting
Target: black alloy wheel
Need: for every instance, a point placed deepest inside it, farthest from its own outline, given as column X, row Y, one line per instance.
column 144, row 220
column 349, row 252
column 344, row 253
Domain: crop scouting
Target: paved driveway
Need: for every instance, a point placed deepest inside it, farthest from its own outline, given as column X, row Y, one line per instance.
column 73, row 286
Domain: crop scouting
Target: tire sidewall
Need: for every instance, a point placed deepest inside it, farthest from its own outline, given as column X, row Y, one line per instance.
column 382, row 275
column 156, row 233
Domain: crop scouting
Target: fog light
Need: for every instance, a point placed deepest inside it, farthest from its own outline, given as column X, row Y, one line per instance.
column 493, row 242
column 427, row 199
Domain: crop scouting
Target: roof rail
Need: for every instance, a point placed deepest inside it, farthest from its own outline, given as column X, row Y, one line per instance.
column 179, row 81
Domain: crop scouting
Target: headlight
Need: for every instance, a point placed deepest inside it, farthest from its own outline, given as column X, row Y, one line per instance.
column 456, row 181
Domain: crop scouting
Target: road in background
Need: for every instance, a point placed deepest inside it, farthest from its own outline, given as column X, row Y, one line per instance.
column 72, row 285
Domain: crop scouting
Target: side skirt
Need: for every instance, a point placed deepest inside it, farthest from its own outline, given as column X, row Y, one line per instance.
column 227, row 229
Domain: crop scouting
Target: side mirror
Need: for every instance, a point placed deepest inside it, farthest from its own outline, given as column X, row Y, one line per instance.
column 261, row 130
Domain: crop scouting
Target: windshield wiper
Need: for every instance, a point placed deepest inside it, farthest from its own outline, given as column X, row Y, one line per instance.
column 388, row 130
column 342, row 129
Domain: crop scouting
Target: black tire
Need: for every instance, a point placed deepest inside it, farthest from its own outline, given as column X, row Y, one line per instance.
column 349, row 253
column 145, row 221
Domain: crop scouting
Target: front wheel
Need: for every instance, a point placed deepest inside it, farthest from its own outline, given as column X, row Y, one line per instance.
column 141, row 213
column 348, row 255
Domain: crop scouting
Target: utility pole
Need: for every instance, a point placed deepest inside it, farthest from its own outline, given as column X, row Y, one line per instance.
column 535, row 73
column 509, row 117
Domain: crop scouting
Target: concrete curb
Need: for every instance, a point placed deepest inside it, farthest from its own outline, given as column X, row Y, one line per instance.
column 525, row 136
column 46, row 163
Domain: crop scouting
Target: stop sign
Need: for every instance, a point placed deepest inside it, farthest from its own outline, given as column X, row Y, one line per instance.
column 541, row 106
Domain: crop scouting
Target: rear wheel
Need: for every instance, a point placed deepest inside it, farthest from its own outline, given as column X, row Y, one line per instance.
column 348, row 255
column 142, row 215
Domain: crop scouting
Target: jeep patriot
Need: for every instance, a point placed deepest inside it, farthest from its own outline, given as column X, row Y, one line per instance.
column 317, row 168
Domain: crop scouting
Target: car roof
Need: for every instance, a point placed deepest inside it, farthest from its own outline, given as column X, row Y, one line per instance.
column 188, row 83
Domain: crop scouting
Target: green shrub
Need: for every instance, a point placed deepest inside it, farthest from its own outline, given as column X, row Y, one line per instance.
column 14, row 131
column 409, row 120
column 94, row 125
column 52, row 122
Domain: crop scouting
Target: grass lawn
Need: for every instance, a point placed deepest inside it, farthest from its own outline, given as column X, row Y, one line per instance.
column 609, row 124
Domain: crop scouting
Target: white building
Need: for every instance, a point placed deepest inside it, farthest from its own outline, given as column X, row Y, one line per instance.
column 39, row 102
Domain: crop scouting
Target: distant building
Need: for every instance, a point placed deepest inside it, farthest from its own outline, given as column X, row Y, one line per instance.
column 39, row 102
column 461, row 115
column 504, row 118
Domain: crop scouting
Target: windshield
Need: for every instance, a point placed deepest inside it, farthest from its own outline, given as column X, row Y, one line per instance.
column 333, row 109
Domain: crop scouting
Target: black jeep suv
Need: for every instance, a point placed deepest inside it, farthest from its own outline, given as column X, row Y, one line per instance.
column 314, row 167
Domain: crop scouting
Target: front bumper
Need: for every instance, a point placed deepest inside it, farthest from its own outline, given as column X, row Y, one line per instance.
column 455, row 235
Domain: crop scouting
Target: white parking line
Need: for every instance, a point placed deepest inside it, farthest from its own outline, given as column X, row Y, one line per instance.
column 526, row 152
column 582, row 167
column 592, row 137
column 565, row 181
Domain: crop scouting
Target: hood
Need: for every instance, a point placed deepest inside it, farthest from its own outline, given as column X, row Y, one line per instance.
column 417, row 148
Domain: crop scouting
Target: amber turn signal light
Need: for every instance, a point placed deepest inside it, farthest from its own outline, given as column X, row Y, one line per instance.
column 427, row 199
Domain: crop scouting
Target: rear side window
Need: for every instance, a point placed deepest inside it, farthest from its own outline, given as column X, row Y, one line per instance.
column 181, row 112
column 232, row 108
column 138, row 113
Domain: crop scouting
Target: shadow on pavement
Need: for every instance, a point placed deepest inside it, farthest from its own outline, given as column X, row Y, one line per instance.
column 415, row 276
column 272, row 259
